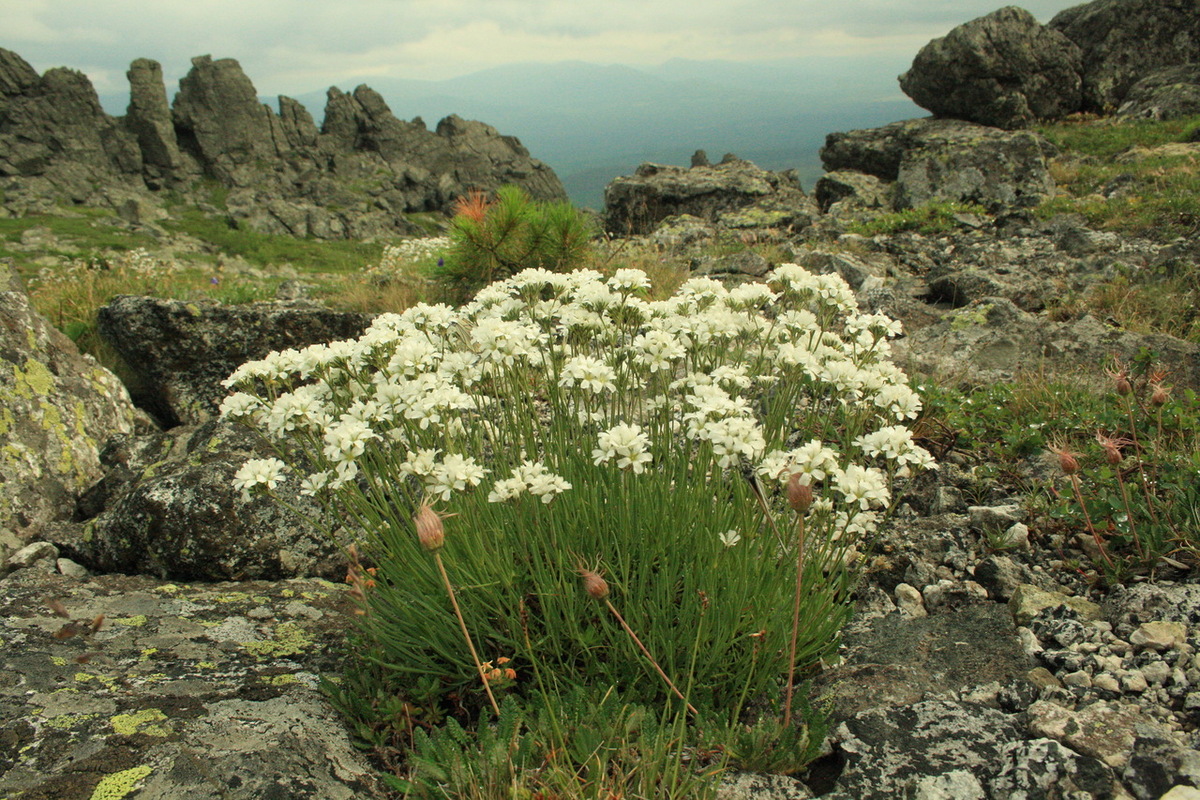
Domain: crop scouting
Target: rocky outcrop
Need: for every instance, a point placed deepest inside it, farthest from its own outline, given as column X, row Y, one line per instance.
column 182, row 351
column 1123, row 41
column 149, row 119
column 735, row 193
column 947, row 160
column 55, row 136
column 181, row 518
column 357, row 177
column 57, row 408
column 1004, row 69
column 1164, row 94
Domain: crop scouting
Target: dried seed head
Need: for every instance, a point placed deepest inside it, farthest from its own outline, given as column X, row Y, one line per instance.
column 593, row 584
column 1120, row 377
column 429, row 528
column 1066, row 460
column 1112, row 448
column 1158, row 397
column 799, row 494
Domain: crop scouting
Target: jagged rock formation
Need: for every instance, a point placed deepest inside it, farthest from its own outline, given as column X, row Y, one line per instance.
column 1003, row 69
column 356, row 177
column 734, row 193
column 1122, row 41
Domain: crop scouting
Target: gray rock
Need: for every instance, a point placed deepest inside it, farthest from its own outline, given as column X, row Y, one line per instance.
column 183, row 519
column 157, row 703
column 57, row 407
column 1159, row 761
column 895, row 660
column 182, row 351
column 1103, row 730
column 753, row 786
column 1128, row 606
column 890, row 752
column 149, row 118
column 1003, row 69
column 1029, row 601
column 947, row 160
column 1123, row 41
column 852, row 190
column 1043, row 768
column 28, row 555
column 636, row 204
column 1164, row 94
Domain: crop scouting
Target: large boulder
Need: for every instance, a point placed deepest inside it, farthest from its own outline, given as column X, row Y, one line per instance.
column 1164, row 94
column 947, row 160
column 1123, row 41
column 182, row 351
column 1004, row 69
column 182, row 518
column 635, row 204
column 57, row 408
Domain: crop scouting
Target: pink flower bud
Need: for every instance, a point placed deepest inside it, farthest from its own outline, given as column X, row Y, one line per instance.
column 593, row 584
column 429, row 528
column 800, row 495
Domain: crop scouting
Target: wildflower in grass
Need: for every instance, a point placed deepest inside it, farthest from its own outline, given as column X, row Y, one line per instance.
column 561, row 416
column 625, row 443
column 265, row 472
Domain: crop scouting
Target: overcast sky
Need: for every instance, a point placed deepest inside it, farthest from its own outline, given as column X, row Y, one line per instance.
column 293, row 46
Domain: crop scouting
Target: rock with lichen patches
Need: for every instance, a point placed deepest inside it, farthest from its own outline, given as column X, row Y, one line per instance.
column 201, row 691
column 57, row 408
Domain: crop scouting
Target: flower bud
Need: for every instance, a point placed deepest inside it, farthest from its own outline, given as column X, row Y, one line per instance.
column 1158, row 397
column 799, row 495
column 1122, row 385
column 429, row 528
column 1067, row 462
column 593, row 584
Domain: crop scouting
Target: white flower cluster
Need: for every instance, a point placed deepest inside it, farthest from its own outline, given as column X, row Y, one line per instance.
column 727, row 377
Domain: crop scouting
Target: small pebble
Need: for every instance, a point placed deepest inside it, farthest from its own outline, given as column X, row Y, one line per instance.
column 1106, row 682
column 1156, row 672
column 1079, row 678
column 71, row 569
column 1133, row 681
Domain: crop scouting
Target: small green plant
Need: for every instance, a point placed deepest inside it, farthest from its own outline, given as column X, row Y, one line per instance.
column 492, row 240
column 1134, row 486
column 928, row 219
column 610, row 478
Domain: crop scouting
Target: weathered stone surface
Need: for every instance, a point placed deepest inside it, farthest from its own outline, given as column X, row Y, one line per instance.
column 57, row 408
column 1157, row 762
column 852, row 190
column 184, row 350
column 894, row 660
column 1102, row 730
column 181, row 518
column 898, row 751
column 947, row 160
column 1164, row 94
column 185, row 690
column 1003, row 69
column 636, row 204
column 992, row 339
column 1122, row 41
column 1044, row 768
column 1127, row 607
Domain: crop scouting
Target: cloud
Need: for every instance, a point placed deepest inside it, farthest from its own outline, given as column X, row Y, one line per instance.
column 292, row 46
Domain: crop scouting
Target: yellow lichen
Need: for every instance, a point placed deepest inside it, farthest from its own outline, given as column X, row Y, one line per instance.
column 58, row 661
column 279, row 680
column 65, row 722
column 141, row 722
column 136, row 621
column 147, row 653
column 35, row 380
column 289, row 640
column 120, row 784
column 167, row 588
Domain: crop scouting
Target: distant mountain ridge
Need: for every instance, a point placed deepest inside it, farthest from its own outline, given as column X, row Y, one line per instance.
column 593, row 122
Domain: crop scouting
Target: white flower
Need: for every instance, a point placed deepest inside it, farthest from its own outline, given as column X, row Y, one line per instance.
column 267, row 472
column 314, row 483
column 347, row 439
column 629, row 279
column 532, row 477
column 240, row 404
column 589, row 374
column 626, row 443
column 729, row 538
column 454, row 474
column 862, row 486
column 657, row 350
column 733, row 439
column 901, row 401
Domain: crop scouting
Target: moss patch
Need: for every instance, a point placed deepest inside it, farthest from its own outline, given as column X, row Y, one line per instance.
column 141, row 722
column 120, row 784
column 289, row 640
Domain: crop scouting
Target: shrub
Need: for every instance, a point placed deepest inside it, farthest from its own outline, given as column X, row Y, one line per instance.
column 609, row 475
column 494, row 240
